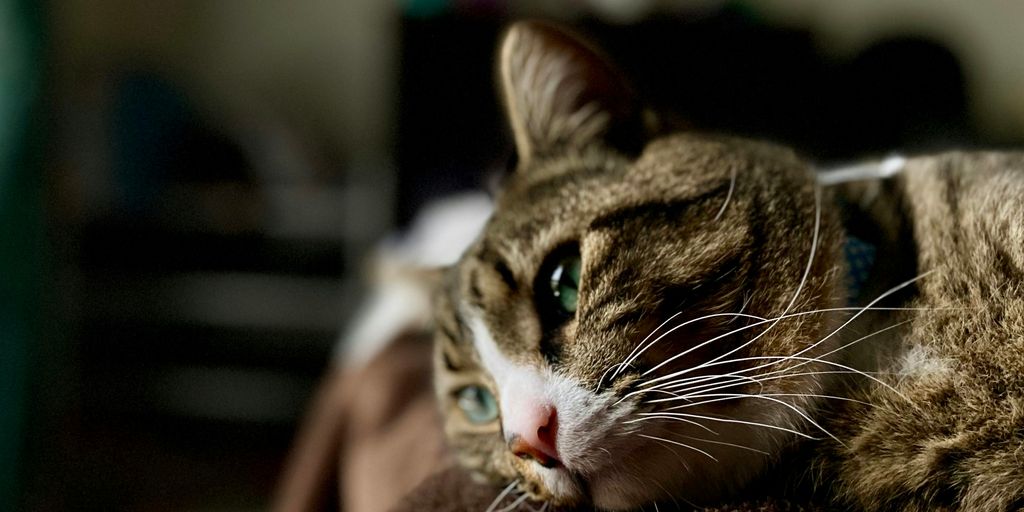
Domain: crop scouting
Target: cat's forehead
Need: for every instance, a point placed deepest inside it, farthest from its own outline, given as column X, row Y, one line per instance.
column 677, row 164
column 560, row 197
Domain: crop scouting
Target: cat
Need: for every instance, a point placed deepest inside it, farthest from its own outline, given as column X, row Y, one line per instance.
column 656, row 317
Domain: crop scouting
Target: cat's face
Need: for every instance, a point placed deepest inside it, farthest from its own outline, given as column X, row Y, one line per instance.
column 603, row 340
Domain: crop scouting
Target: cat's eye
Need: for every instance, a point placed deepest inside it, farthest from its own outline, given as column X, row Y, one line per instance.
column 565, row 282
column 478, row 404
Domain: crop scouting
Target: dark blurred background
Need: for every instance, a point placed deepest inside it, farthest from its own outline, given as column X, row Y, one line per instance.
column 189, row 190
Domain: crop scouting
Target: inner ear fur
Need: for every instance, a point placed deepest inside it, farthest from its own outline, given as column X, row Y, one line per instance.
column 561, row 93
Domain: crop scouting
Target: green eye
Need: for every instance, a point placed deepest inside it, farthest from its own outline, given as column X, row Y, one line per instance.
column 565, row 283
column 478, row 404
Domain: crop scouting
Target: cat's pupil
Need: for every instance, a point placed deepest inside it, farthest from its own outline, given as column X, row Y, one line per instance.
column 565, row 283
column 478, row 404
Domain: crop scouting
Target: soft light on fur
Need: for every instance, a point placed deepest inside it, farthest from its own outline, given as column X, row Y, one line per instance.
column 713, row 331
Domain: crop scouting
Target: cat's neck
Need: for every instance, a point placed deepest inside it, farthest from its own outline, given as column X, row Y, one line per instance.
column 874, row 212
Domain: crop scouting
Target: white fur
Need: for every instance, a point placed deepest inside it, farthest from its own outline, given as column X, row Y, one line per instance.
column 583, row 416
column 400, row 298
column 864, row 171
column 921, row 362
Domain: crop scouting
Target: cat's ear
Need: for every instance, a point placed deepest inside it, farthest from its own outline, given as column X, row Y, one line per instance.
column 559, row 92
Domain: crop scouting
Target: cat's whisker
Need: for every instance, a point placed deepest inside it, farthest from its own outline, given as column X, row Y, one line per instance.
column 543, row 507
column 800, row 412
column 515, row 504
column 854, row 342
column 725, row 335
column 497, row 501
column 677, row 443
column 679, row 458
column 674, row 418
column 790, row 368
column 715, row 386
column 728, row 195
column 814, row 248
column 667, row 392
column 716, row 361
column 811, row 359
column 694, row 382
column 680, row 415
column 747, row 297
column 643, row 348
column 888, row 292
column 803, row 279
column 600, row 381
column 629, row 358
column 776, row 359
column 749, row 326
column 858, row 310
column 723, row 443
column 784, row 371
column 754, row 395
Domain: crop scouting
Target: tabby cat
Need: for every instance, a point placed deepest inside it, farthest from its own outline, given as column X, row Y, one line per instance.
column 663, row 318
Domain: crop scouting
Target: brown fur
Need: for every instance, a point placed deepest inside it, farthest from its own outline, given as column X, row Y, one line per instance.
column 717, row 225
column 959, row 443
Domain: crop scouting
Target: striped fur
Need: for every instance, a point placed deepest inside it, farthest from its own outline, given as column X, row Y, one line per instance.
column 736, row 246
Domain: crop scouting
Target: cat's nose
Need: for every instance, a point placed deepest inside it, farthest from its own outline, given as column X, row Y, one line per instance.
column 532, row 432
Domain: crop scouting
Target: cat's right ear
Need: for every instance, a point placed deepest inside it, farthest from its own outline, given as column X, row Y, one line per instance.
column 560, row 93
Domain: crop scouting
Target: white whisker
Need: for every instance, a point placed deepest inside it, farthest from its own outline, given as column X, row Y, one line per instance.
column 629, row 358
column 643, row 348
column 515, row 504
column 859, row 311
column 854, row 342
column 684, row 445
column 851, row 319
column 501, row 496
column 888, row 292
column 694, row 380
column 674, row 418
column 715, row 386
column 785, row 312
column 723, row 420
column 755, row 395
column 814, row 248
column 728, row 196
column 723, row 443
column 733, row 379
column 803, row 414
column 777, row 359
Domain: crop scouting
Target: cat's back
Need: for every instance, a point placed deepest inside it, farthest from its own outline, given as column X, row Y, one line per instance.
column 950, row 431
column 966, row 210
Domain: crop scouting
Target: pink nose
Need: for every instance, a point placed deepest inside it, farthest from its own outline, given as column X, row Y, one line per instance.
column 531, row 434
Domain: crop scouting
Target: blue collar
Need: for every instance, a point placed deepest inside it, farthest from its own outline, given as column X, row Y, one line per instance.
column 860, row 257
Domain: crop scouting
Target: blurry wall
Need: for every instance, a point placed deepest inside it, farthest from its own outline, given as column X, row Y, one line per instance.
column 984, row 35
column 20, row 233
column 217, row 173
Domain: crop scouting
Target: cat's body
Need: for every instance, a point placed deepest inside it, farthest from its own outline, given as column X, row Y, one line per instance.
column 959, row 442
column 657, row 318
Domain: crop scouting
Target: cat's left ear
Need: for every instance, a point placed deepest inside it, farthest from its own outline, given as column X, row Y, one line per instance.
column 561, row 93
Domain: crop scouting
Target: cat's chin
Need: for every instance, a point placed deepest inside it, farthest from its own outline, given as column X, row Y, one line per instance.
column 611, row 497
column 562, row 488
column 621, row 491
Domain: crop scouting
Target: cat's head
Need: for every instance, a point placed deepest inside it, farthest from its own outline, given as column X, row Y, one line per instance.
column 621, row 331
